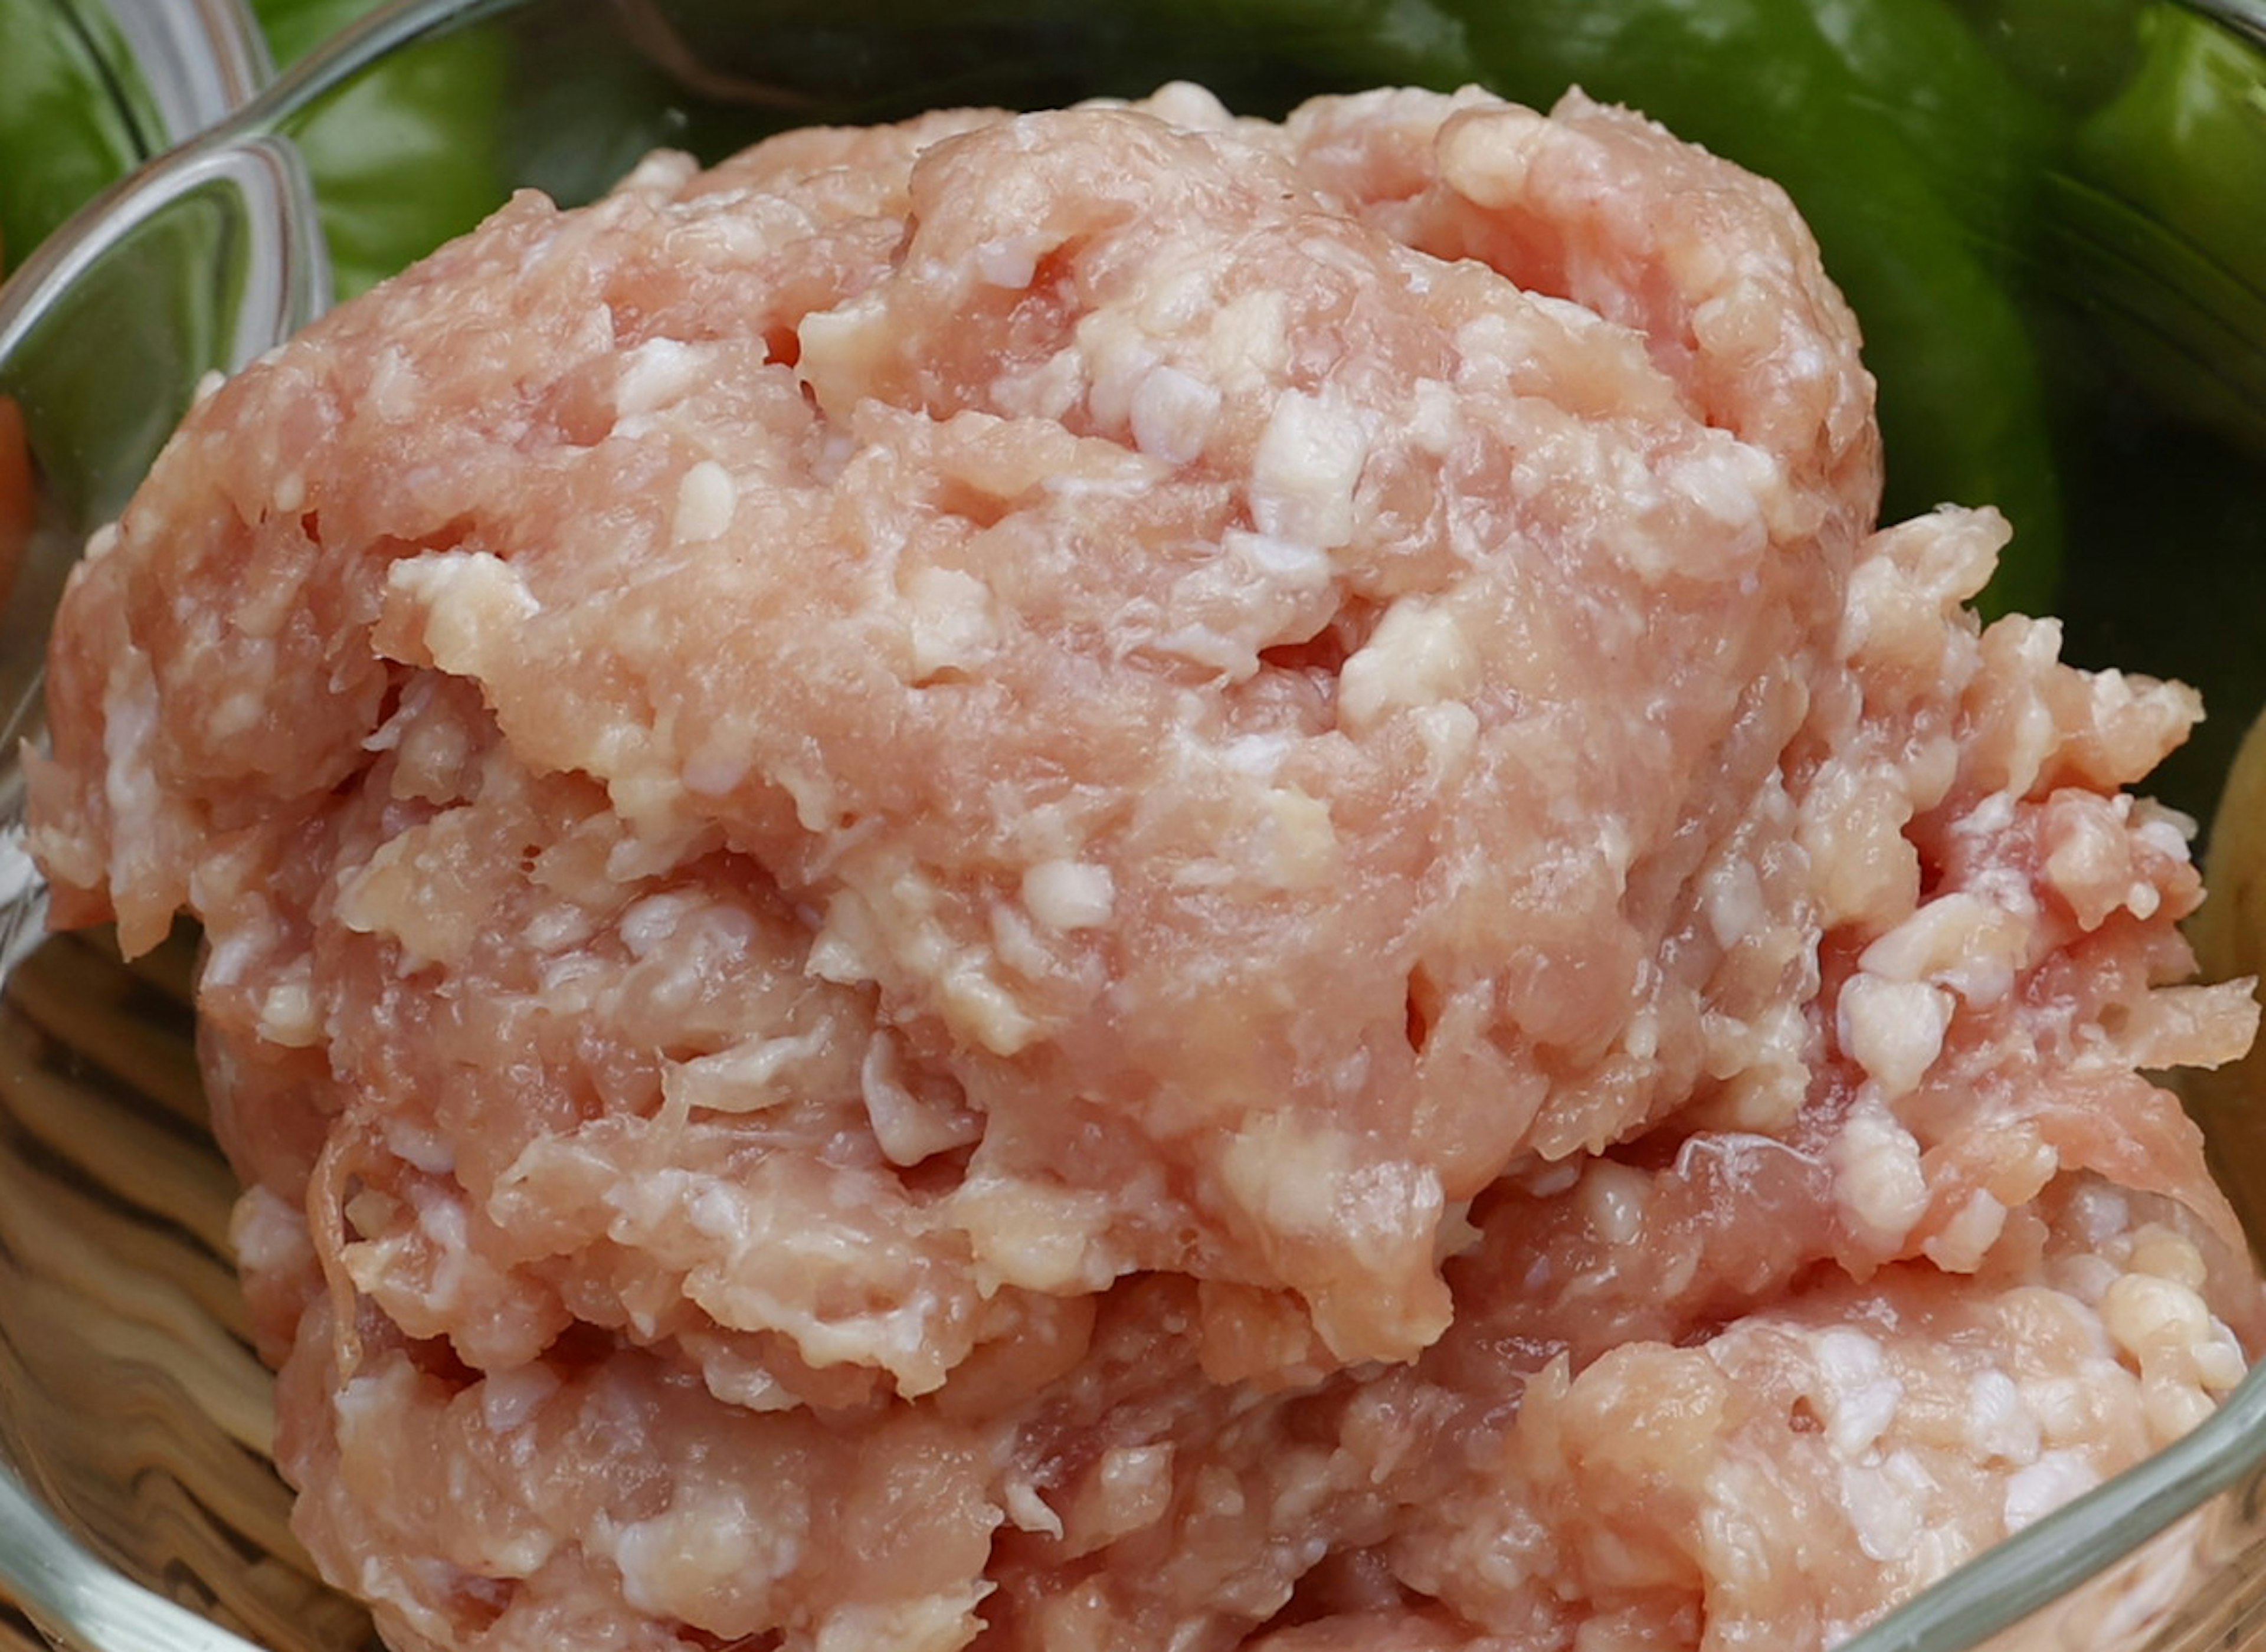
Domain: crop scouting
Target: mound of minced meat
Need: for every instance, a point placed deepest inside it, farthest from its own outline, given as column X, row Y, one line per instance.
column 1119, row 878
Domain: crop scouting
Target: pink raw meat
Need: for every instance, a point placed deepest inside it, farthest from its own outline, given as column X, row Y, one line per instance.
column 1117, row 878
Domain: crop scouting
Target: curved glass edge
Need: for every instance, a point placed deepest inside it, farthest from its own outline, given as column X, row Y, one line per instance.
column 2045, row 1561
column 233, row 149
column 232, row 220
column 83, row 1604
column 194, row 61
column 22, row 895
column 387, row 30
column 2246, row 18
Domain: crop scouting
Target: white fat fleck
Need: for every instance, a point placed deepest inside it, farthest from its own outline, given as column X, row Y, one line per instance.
column 976, row 1004
column 1172, row 413
column 1970, row 944
column 1249, row 342
column 1259, row 756
column 2146, row 1315
column 1961, row 1244
column 661, row 174
column 1177, row 300
column 745, row 1078
column 1281, row 564
column 2100, row 1213
column 1289, row 1172
column 1298, row 840
column 1861, row 1393
column 1026, row 1510
column 1998, row 1426
column 1119, row 357
column 1450, row 730
column 289, row 492
column 1724, row 480
column 1040, row 1238
column 471, row 600
column 907, row 1128
column 1435, row 419
column 1613, row 1200
column 706, row 500
column 1048, row 389
column 1878, row 1178
column 1011, row 260
column 1304, row 469
column 236, row 712
column 396, row 389
column 1131, row 1487
column 1642, row 1041
column 129, row 711
column 717, row 768
column 2036, row 1491
column 2168, row 1253
column 669, row 1562
column 949, row 621
column 2167, row 832
column 1887, row 1504
column 2219, row 1361
column 647, row 923
column 1733, row 895
column 1990, row 816
column 1067, row 894
column 1547, row 1177
column 1484, row 157
column 744, row 1383
column 207, row 381
column 421, row 1146
column 1417, row 655
column 1893, row 1029
column 941, row 1622
column 843, row 348
column 2036, row 733
column 287, row 1014
column 655, row 374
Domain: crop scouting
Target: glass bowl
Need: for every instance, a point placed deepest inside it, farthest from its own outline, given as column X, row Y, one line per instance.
column 2118, row 245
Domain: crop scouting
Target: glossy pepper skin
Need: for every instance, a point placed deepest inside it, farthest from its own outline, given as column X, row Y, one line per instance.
column 2151, row 257
column 63, row 136
column 406, row 157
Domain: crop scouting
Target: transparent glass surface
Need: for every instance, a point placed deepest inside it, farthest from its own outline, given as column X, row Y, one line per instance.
column 138, row 1509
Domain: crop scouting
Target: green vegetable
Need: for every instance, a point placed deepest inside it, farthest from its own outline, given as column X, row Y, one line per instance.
column 2152, row 248
column 406, row 156
column 2165, row 202
column 63, row 132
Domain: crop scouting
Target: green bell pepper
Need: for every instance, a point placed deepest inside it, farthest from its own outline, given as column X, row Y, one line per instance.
column 64, row 132
column 2153, row 243
column 406, row 156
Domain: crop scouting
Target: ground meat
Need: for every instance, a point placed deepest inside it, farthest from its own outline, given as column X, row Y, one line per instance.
column 1121, row 878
